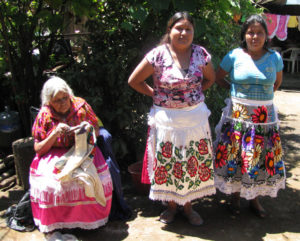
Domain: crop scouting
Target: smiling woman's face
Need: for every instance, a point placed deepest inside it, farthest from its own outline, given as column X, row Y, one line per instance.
column 255, row 37
column 182, row 34
column 61, row 102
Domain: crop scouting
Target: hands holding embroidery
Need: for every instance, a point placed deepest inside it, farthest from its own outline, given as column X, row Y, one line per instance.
column 61, row 129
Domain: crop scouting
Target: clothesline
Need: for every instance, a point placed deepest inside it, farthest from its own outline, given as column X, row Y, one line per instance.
column 278, row 25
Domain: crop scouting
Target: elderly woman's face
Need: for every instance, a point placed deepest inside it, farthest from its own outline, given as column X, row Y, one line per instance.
column 61, row 102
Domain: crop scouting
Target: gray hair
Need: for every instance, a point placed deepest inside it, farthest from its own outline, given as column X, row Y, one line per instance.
column 51, row 87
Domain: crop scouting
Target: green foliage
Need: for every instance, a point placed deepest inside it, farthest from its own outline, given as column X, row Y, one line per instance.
column 121, row 33
column 26, row 26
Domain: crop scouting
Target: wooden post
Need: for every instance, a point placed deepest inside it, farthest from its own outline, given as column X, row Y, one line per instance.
column 23, row 153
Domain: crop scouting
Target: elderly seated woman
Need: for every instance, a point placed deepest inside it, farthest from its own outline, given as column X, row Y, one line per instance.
column 71, row 200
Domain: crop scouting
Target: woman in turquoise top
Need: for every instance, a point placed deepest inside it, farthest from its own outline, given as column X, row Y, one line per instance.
column 248, row 158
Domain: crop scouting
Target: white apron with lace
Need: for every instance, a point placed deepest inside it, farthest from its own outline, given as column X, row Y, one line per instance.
column 180, row 154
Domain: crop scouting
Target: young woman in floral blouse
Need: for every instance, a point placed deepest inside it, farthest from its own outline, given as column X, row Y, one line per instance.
column 248, row 157
column 179, row 154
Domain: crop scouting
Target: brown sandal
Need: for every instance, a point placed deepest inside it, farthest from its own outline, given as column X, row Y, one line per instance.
column 194, row 218
column 235, row 209
column 167, row 216
column 261, row 213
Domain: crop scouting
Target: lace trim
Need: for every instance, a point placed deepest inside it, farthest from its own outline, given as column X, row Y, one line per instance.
column 161, row 195
column 82, row 225
column 249, row 193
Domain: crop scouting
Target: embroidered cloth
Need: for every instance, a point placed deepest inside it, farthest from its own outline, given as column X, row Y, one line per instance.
column 249, row 155
column 180, row 155
column 77, row 164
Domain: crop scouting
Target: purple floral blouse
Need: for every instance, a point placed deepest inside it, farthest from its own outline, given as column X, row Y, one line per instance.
column 175, row 87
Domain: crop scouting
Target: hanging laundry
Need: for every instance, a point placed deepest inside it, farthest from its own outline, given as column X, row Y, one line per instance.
column 293, row 22
column 281, row 32
column 272, row 21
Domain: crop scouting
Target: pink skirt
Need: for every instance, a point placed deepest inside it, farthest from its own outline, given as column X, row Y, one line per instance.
column 57, row 205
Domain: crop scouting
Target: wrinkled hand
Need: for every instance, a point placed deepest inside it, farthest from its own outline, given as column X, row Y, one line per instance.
column 61, row 129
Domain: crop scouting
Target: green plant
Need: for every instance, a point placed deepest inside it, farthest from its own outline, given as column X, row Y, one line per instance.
column 121, row 33
column 27, row 26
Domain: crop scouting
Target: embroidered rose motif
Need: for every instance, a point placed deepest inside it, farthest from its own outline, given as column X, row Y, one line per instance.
column 192, row 166
column 269, row 163
column 204, row 172
column 167, row 150
column 161, row 175
column 261, row 115
column 202, row 147
column 177, row 170
column 221, row 156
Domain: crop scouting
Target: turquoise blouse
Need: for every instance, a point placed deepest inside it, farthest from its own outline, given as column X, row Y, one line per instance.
column 252, row 79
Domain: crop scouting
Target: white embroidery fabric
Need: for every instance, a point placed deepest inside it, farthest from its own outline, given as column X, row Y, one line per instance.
column 179, row 127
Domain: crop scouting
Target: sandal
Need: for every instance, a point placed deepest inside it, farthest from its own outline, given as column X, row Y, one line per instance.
column 261, row 213
column 235, row 209
column 167, row 216
column 194, row 218
column 235, row 205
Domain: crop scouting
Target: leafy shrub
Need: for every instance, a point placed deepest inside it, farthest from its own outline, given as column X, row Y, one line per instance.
column 120, row 36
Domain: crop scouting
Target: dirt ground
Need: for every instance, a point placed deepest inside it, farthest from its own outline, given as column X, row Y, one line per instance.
column 282, row 223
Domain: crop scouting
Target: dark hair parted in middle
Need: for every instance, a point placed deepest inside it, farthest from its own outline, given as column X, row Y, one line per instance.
column 172, row 21
column 251, row 20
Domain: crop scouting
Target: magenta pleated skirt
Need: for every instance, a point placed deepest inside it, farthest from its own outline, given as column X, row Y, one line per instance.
column 57, row 205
